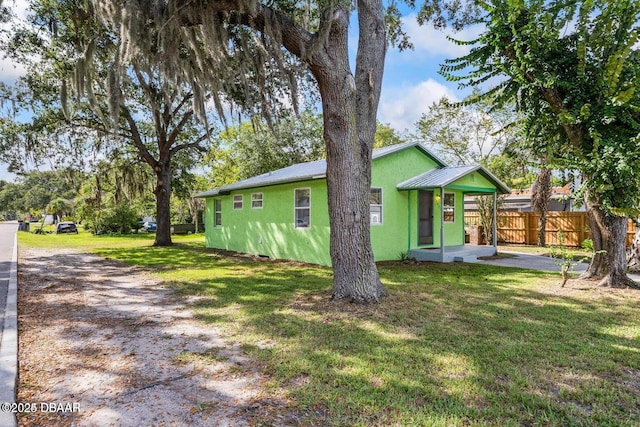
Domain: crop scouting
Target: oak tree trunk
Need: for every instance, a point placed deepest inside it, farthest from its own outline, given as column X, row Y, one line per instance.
column 349, row 108
column 609, row 233
column 163, row 204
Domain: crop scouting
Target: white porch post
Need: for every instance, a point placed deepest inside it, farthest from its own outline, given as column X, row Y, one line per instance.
column 442, row 224
column 495, row 221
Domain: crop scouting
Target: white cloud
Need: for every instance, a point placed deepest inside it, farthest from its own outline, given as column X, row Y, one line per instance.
column 9, row 71
column 401, row 107
column 428, row 40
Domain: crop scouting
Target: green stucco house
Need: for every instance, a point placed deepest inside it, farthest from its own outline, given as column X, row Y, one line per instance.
column 417, row 202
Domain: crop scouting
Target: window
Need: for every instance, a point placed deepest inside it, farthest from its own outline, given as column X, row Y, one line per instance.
column 218, row 212
column 375, row 206
column 302, row 201
column 256, row 201
column 449, row 207
column 237, row 201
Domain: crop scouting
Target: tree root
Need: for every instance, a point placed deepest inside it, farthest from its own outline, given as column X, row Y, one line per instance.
column 625, row 281
column 616, row 281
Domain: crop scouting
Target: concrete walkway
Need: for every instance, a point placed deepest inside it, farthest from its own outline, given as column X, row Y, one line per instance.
column 530, row 261
column 8, row 321
column 538, row 262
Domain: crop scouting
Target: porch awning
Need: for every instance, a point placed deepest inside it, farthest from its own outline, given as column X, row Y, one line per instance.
column 441, row 177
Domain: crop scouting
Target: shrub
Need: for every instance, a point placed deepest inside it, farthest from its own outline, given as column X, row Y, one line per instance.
column 120, row 220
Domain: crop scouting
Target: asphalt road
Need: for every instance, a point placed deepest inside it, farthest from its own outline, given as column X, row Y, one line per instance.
column 7, row 238
column 8, row 324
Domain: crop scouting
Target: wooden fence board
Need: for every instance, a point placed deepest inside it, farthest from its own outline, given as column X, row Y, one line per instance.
column 522, row 227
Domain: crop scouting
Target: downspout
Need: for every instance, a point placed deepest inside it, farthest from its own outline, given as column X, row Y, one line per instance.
column 495, row 221
column 464, row 241
column 441, row 224
column 408, row 221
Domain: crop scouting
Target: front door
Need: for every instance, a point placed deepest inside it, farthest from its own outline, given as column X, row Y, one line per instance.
column 425, row 217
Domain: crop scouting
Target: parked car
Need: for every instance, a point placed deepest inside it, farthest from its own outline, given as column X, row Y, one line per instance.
column 66, row 227
column 149, row 226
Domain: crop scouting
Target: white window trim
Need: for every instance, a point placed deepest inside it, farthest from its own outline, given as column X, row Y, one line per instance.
column 215, row 213
column 261, row 201
column 449, row 206
column 381, row 208
column 295, row 208
column 241, row 202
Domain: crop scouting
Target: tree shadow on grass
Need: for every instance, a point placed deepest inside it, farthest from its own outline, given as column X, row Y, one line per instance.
column 468, row 343
column 453, row 344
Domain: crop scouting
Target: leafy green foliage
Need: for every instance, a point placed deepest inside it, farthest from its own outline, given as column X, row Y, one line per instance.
column 251, row 149
column 122, row 219
column 34, row 191
column 386, row 135
column 465, row 133
column 573, row 69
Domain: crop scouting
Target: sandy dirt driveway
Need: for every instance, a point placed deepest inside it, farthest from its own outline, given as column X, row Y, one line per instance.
column 107, row 344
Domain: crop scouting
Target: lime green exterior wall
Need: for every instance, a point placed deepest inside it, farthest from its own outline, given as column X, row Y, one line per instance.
column 453, row 231
column 270, row 231
column 473, row 182
column 389, row 240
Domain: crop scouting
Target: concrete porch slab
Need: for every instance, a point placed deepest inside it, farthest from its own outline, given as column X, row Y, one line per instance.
column 460, row 253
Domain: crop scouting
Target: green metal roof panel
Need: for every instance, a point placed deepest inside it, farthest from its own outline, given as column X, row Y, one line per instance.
column 306, row 171
column 442, row 177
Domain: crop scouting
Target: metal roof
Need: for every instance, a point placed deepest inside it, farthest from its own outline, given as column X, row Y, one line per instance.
column 442, row 177
column 297, row 172
column 309, row 170
column 384, row 151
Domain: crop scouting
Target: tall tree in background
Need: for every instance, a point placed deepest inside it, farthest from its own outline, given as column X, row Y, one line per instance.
column 540, row 196
column 573, row 68
column 153, row 115
column 464, row 133
column 251, row 149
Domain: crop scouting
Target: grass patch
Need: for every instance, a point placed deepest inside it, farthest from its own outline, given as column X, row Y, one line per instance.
column 453, row 344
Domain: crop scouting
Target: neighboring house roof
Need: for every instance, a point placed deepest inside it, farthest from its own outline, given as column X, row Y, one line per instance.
column 309, row 170
column 520, row 200
column 525, row 194
column 444, row 176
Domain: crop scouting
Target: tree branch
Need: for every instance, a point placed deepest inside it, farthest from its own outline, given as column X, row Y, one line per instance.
column 195, row 144
column 137, row 139
column 257, row 16
column 173, row 135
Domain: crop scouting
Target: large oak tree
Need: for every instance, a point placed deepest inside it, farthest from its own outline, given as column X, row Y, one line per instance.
column 349, row 100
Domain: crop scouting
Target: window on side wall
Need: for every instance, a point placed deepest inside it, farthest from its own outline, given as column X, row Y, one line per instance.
column 449, row 207
column 375, row 206
column 218, row 212
column 237, row 201
column 256, row 201
column 302, row 207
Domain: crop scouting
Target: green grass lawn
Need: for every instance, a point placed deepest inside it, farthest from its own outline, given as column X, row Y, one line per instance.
column 453, row 344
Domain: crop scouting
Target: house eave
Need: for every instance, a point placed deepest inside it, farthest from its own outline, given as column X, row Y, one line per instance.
column 226, row 190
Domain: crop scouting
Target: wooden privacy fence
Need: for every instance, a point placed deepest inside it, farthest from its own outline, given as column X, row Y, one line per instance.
column 522, row 227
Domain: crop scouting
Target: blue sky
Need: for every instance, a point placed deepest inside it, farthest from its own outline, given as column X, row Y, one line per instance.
column 411, row 81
